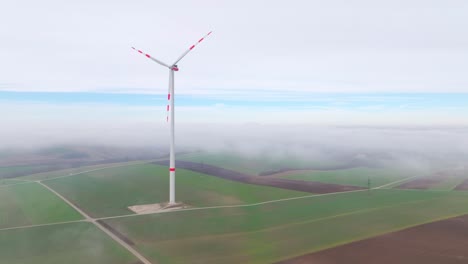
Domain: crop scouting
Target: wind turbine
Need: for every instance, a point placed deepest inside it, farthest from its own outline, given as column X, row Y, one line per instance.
column 170, row 109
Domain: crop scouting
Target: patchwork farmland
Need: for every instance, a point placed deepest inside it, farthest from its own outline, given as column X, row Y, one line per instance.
column 230, row 216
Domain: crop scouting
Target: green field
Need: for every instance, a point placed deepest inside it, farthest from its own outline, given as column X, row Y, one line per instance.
column 109, row 192
column 271, row 232
column 254, row 165
column 74, row 243
column 65, row 172
column 10, row 181
column 9, row 171
column 356, row 176
column 32, row 204
column 262, row 233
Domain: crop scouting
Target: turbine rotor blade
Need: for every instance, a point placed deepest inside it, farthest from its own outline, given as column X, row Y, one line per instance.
column 168, row 102
column 151, row 58
column 191, row 48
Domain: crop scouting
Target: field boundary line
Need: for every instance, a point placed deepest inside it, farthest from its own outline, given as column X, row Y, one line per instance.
column 90, row 219
column 426, row 190
column 391, row 183
column 272, row 228
column 102, row 228
column 16, row 179
column 40, row 225
column 231, row 206
column 86, row 216
column 323, row 218
column 457, row 183
column 97, row 169
column 375, row 234
column 252, row 204
column 19, row 183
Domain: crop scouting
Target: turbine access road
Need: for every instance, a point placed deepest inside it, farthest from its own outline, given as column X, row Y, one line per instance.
column 98, row 225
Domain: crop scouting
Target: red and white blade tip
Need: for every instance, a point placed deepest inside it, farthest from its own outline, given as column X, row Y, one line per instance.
column 139, row 51
column 200, row 40
column 149, row 57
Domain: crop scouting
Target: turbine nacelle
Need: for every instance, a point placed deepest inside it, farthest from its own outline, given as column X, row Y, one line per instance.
column 174, row 68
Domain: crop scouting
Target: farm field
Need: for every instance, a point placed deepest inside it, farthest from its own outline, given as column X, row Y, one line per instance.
column 443, row 180
column 233, row 132
column 254, row 165
column 444, row 241
column 73, row 243
column 10, row 181
column 253, row 233
column 276, row 231
column 32, row 204
column 109, row 192
column 355, row 176
column 65, row 172
column 462, row 186
column 448, row 184
column 8, row 171
column 303, row 186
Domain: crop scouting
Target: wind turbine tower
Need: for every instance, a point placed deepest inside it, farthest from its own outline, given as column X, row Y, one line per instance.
column 170, row 109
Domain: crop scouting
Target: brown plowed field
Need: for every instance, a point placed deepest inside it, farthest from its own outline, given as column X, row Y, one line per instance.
column 349, row 165
column 444, row 241
column 424, row 182
column 297, row 185
column 286, row 173
column 462, row 186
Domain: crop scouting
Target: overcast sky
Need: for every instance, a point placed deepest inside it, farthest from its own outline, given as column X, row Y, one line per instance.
column 296, row 45
column 274, row 62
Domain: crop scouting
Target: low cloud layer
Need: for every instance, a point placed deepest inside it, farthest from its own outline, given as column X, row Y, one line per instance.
column 251, row 140
column 310, row 134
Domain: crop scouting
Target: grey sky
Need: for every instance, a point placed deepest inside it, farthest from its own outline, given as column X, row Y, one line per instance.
column 294, row 45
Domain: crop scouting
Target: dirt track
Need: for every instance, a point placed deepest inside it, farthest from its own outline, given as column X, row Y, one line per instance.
column 304, row 186
column 424, row 183
column 444, row 241
column 116, row 232
column 462, row 186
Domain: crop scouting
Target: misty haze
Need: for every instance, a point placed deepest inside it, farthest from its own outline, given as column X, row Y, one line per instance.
column 243, row 132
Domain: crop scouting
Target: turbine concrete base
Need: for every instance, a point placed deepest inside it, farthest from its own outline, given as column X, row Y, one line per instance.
column 156, row 208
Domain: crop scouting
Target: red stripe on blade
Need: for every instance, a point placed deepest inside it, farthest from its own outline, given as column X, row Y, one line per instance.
column 171, row 169
column 201, row 40
column 193, row 46
column 167, row 107
column 147, row 55
column 168, row 96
